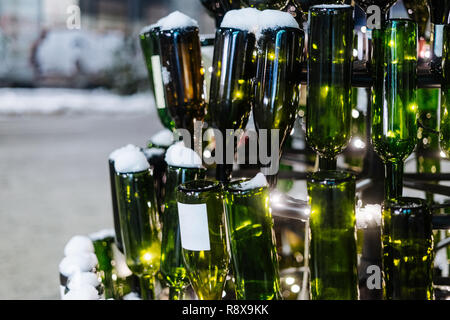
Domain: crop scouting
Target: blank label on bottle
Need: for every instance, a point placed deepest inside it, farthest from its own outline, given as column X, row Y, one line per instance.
column 158, row 82
column 194, row 226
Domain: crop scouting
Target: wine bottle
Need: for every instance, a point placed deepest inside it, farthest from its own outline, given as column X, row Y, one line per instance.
column 329, row 107
column 252, row 242
column 277, row 88
column 445, row 100
column 439, row 10
column 418, row 11
column 333, row 261
column 150, row 49
column 230, row 99
column 427, row 150
column 172, row 266
column 394, row 108
column 138, row 219
column 182, row 72
column 203, row 237
column 306, row 4
column 407, row 250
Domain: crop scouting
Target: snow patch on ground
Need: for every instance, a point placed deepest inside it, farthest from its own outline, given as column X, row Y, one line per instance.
column 55, row 101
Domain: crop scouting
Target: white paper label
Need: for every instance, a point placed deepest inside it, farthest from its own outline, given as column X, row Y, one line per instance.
column 158, row 82
column 194, row 226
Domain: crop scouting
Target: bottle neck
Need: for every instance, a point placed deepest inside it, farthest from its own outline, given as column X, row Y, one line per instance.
column 393, row 180
column 326, row 164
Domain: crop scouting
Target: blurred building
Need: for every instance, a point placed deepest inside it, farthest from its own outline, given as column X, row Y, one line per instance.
column 25, row 25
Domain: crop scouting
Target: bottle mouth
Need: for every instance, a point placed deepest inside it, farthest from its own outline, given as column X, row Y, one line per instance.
column 236, row 186
column 186, row 168
column 330, row 8
column 330, row 177
column 199, row 186
column 405, row 204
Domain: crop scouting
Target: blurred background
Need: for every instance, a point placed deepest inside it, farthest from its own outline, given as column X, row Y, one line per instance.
column 68, row 97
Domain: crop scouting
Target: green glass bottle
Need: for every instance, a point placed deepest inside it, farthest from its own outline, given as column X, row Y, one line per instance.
column 230, row 99
column 445, row 100
column 155, row 158
column 427, row 150
column 407, row 249
column 394, row 107
column 306, row 4
column 277, row 89
column 183, row 75
column 333, row 261
column 150, row 49
column 329, row 107
column 140, row 226
column 116, row 219
column 418, row 11
column 103, row 241
column 439, row 10
column 172, row 266
column 203, row 237
column 252, row 242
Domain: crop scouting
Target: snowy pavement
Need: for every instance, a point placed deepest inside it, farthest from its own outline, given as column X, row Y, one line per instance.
column 54, row 178
column 51, row 101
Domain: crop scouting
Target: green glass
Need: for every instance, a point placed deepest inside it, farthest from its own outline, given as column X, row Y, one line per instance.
column 333, row 261
column 329, row 106
column 407, row 237
column 427, row 151
column 277, row 88
column 155, row 158
column 172, row 266
column 150, row 50
column 116, row 218
column 394, row 105
column 418, row 11
column 230, row 99
column 265, row 4
column 439, row 10
column 123, row 280
column 445, row 99
column 252, row 242
column 354, row 155
column 140, row 226
column 183, row 76
column 206, row 266
column 103, row 251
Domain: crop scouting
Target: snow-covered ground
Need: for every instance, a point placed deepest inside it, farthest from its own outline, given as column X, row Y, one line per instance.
column 52, row 101
column 55, row 184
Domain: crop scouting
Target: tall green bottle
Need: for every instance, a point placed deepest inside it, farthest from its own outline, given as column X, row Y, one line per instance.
column 333, row 261
column 252, row 242
column 329, row 107
column 277, row 89
column 394, row 105
column 203, row 236
column 140, row 226
column 150, row 49
column 230, row 99
column 407, row 249
column 172, row 266
column 445, row 100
